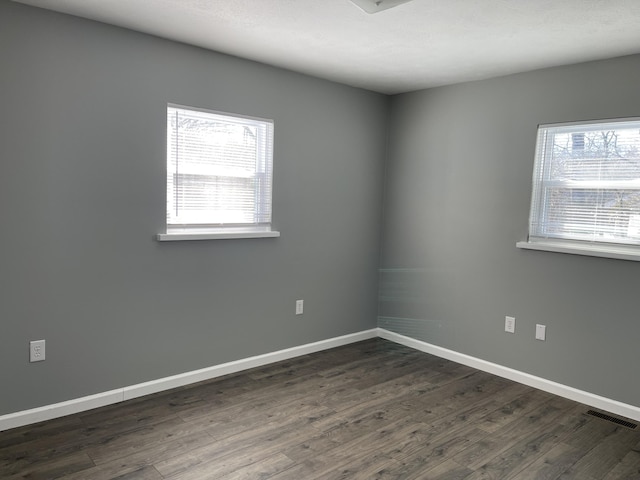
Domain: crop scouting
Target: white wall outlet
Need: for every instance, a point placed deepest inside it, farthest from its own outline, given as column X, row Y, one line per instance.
column 510, row 324
column 37, row 351
column 299, row 307
column 541, row 332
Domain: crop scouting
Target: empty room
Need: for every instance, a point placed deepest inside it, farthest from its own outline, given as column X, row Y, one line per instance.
column 348, row 239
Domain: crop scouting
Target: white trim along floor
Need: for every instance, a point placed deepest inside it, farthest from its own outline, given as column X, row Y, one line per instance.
column 77, row 405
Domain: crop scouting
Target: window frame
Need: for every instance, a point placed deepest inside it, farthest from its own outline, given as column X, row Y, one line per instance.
column 176, row 231
column 541, row 181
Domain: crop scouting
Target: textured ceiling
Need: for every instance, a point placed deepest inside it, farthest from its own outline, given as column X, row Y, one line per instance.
column 420, row 44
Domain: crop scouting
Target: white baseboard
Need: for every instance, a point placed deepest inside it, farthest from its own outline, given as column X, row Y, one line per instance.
column 208, row 373
column 82, row 404
column 603, row 403
column 49, row 412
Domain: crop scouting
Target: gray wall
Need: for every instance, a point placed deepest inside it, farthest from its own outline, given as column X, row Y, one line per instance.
column 457, row 201
column 82, row 146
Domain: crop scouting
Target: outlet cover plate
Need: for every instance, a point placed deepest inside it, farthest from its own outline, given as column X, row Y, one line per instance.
column 299, row 307
column 541, row 332
column 37, row 351
column 510, row 324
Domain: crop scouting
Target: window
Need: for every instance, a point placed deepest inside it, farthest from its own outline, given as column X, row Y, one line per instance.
column 586, row 188
column 219, row 175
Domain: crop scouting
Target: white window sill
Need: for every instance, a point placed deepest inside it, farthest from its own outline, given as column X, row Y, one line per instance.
column 221, row 235
column 620, row 252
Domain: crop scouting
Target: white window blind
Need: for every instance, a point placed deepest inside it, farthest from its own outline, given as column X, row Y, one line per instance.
column 586, row 184
column 219, row 170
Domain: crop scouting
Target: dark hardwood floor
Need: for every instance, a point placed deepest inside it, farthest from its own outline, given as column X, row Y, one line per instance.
column 370, row 410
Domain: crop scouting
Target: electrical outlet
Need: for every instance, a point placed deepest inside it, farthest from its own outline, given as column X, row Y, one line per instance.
column 541, row 332
column 510, row 324
column 299, row 307
column 37, row 351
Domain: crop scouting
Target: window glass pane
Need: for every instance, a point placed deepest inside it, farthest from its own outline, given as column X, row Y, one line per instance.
column 596, row 155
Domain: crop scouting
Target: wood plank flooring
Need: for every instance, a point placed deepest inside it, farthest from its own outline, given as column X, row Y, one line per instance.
column 370, row 410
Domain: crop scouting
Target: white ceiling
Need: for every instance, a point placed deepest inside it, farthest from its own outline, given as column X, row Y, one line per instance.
column 420, row 44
